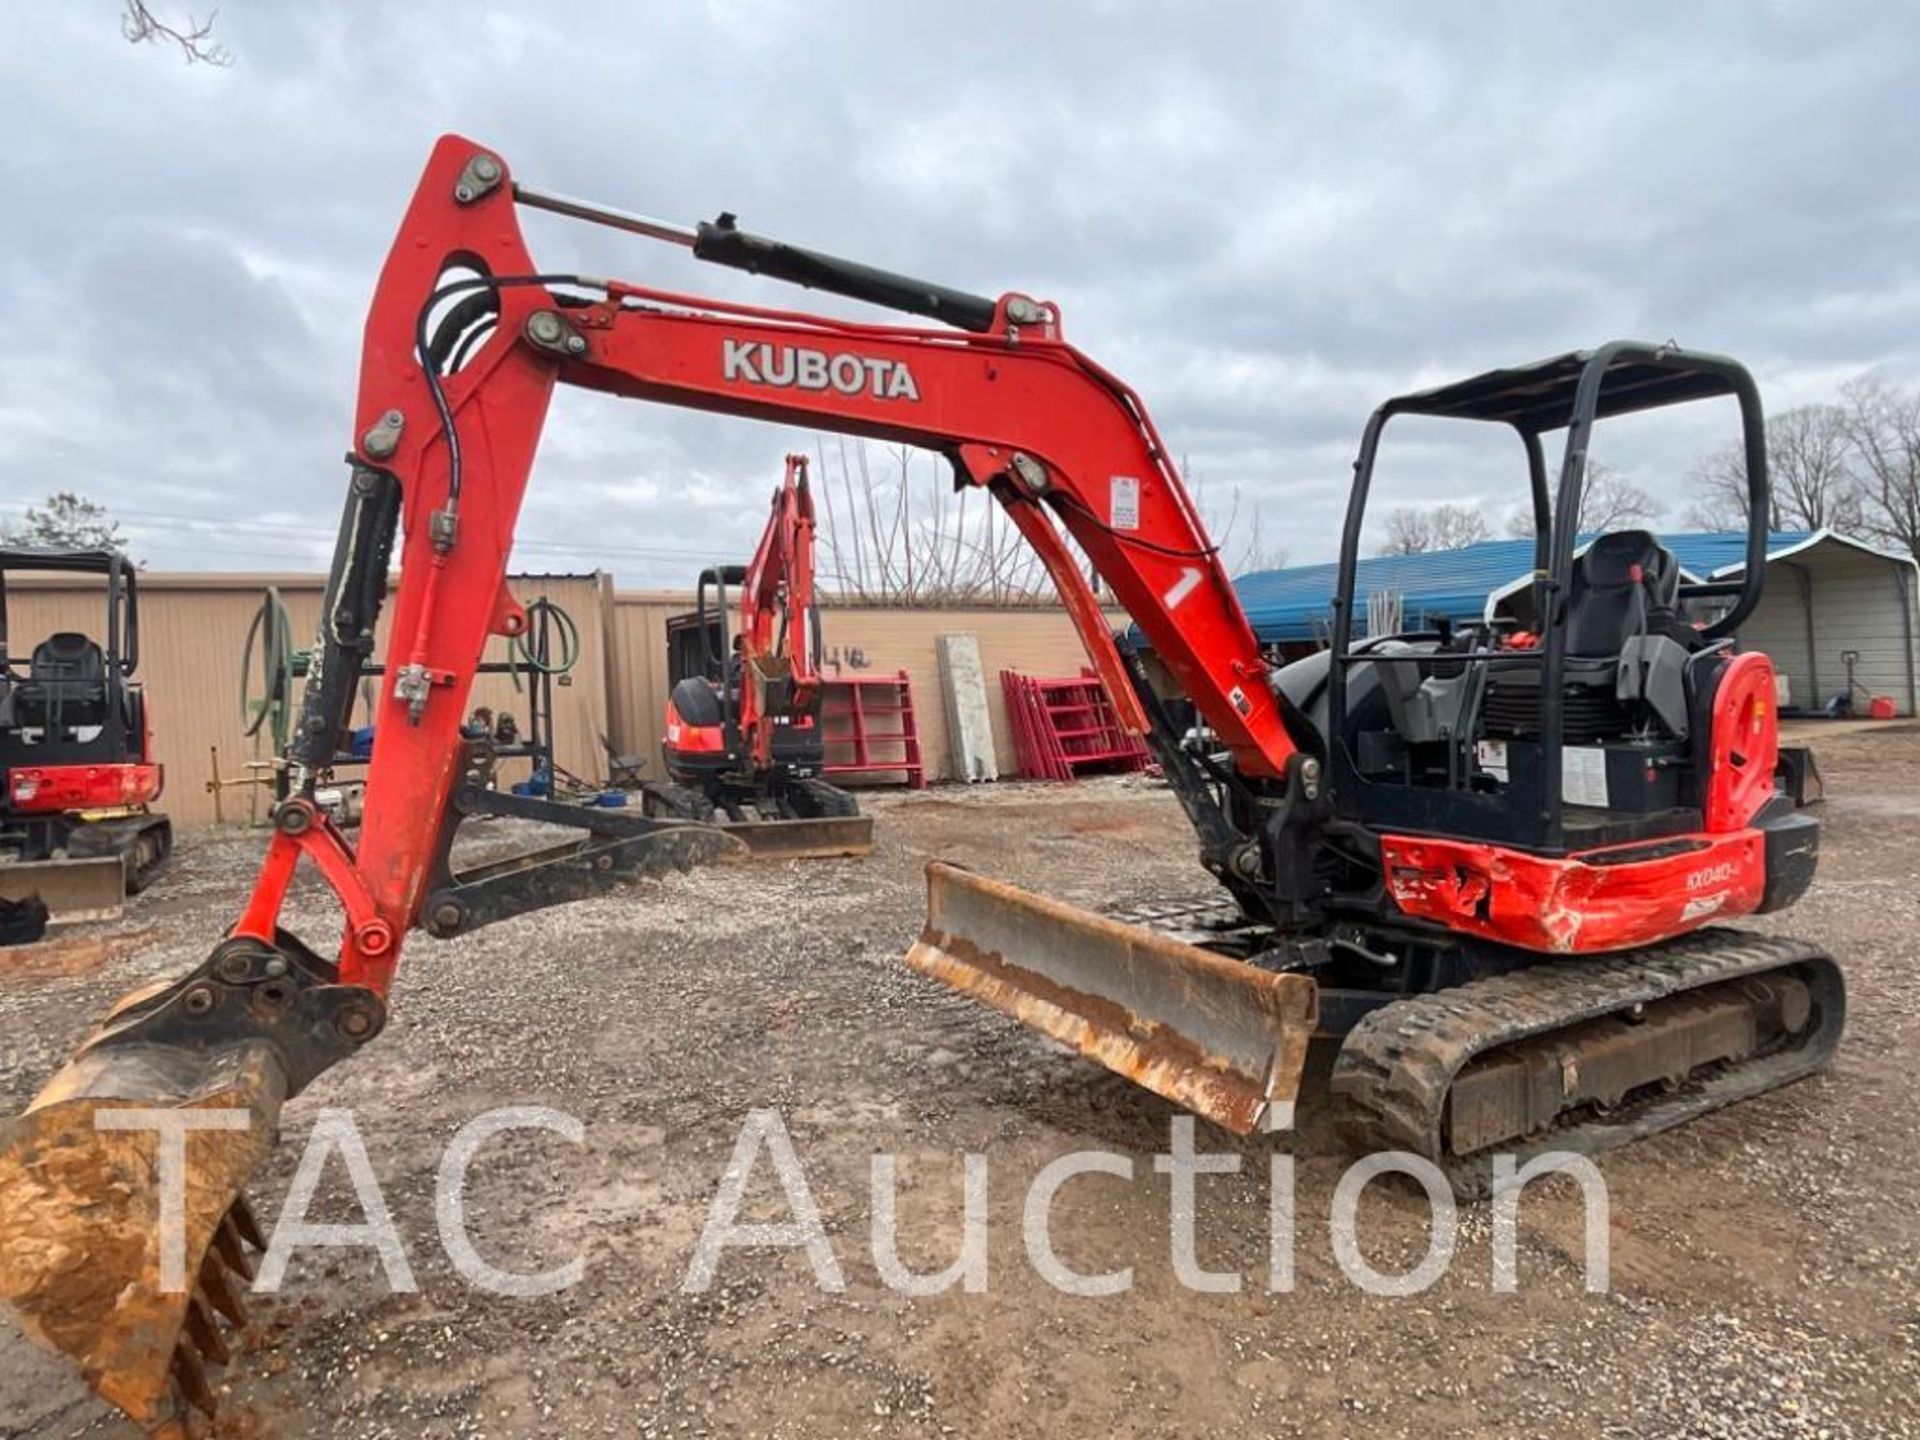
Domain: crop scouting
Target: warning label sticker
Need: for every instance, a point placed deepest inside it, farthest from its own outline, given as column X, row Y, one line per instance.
column 1583, row 775
column 1123, row 502
column 1493, row 757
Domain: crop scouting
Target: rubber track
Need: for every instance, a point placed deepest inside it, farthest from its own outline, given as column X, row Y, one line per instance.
column 1394, row 1071
column 1214, row 911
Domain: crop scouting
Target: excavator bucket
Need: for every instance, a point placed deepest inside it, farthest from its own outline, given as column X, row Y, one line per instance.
column 1224, row 1039
column 118, row 1247
column 72, row 890
column 828, row 838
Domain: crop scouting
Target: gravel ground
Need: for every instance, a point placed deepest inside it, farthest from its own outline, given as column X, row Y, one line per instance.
column 1763, row 1259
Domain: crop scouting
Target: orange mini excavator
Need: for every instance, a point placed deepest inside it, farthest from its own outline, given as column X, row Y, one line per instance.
column 77, row 775
column 744, row 743
column 1492, row 860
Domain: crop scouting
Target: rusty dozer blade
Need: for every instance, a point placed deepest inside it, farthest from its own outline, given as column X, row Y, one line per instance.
column 1224, row 1039
column 72, row 890
column 118, row 1245
column 832, row 837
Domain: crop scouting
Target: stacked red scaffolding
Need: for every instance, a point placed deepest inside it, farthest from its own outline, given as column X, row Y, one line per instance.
column 1067, row 727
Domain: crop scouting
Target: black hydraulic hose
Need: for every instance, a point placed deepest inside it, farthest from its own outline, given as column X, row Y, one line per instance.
column 271, row 628
column 425, row 348
column 1123, row 537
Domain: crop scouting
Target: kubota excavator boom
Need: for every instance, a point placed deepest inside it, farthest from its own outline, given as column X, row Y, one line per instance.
column 464, row 343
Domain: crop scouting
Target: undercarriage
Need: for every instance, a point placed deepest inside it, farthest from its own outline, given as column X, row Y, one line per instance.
column 1513, row 1053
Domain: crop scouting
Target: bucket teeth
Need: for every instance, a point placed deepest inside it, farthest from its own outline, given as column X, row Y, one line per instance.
column 191, row 1376
column 219, row 1290
column 244, row 1222
column 204, row 1333
column 200, row 1342
column 231, row 1248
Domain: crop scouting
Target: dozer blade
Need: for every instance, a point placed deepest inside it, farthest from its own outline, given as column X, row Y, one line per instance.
column 73, row 890
column 824, row 839
column 107, row 1254
column 1221, row 1038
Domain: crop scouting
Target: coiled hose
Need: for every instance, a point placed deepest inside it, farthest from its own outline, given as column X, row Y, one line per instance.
column 544, row 618
column 271, row 631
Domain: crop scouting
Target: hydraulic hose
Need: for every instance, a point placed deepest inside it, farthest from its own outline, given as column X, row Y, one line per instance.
column 271, row 630
column 545, row 618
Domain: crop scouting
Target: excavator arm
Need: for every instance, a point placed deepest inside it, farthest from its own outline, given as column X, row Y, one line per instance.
column 776, row 610
column 465, row 340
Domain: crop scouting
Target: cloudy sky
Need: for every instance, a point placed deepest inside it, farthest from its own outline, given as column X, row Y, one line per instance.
column 1268, row 217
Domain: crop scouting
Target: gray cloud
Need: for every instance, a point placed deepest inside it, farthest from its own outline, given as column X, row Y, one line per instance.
column 1267, row 218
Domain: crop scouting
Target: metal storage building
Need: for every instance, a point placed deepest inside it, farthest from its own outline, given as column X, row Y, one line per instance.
column 1827, row 595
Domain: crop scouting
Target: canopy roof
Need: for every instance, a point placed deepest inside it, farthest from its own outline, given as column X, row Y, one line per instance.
column 1540, row 396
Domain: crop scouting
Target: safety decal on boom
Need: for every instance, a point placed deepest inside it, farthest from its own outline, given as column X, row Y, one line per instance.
column 1123, row 502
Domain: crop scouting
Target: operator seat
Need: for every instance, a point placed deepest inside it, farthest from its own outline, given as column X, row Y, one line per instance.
column 697, row 702
column 66, row 684
column 1624, row 583
column 1626, row 586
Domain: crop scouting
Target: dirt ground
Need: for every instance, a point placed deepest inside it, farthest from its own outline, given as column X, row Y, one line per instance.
column 1764, row 1260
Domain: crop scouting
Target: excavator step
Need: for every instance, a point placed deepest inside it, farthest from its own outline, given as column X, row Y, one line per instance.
column 1586, row 1055
column 1224, row 1039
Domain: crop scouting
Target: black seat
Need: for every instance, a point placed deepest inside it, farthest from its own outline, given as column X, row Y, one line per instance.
column 66, row 684
column 696, row 702
column 1626, row 583
column 1624, row 580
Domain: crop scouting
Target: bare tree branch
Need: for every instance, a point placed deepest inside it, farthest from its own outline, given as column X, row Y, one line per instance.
column 1883, row 434
column 1417, row 530
column 1610, row 502
column 900, row 541
column 1809, row 469
column 195, row 39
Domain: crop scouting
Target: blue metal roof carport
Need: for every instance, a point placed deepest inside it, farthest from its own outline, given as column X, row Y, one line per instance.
column 1845, row 594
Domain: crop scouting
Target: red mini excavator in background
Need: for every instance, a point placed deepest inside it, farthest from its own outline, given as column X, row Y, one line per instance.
column 76, row 753
column 1491, row 861
column 743, row 730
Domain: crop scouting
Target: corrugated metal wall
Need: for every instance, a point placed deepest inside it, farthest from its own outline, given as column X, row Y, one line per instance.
column 1778, row 627
column 192, row 628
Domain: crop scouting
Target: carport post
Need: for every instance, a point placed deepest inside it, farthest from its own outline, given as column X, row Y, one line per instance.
column 1813, row 650
column 1903, row 575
